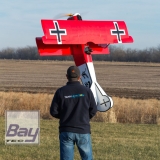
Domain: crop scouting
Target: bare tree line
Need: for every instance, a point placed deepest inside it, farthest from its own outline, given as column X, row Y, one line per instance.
column 116, row 54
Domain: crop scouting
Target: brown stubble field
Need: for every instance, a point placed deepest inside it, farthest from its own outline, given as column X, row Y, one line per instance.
column 119, row 79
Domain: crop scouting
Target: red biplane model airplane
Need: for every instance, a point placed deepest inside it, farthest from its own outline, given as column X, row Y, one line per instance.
column 82, row 38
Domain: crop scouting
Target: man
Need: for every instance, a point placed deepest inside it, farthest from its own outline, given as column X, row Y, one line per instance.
column 74, row 105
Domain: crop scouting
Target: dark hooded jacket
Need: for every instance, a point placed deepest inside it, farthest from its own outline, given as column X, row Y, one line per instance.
column 74, row 105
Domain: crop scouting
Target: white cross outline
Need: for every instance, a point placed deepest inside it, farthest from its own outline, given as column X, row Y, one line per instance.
column 56, row 34
column 119, row 41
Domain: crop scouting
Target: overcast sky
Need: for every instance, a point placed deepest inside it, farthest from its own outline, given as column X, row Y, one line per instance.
column 20, row 19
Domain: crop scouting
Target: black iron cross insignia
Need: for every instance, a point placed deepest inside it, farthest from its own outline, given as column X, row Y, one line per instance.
column 104, row 102
column 117, row 32
column 57, row 32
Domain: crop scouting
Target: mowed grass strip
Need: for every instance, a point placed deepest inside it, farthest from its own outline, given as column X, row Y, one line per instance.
column 124, row 110
column 111, row 141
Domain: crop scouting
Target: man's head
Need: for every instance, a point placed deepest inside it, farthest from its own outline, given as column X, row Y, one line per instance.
column 73, row 73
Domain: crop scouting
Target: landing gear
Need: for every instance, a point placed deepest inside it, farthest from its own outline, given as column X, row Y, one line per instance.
column 87, row 50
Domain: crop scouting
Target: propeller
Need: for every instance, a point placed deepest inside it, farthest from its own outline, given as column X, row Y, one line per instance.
column 62, row 15
column 69, row 14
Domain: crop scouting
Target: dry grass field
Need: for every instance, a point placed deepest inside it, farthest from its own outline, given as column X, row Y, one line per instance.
column 124, row 110
column 120, row 79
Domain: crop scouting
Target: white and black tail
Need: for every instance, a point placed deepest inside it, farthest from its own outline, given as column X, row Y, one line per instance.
column 88, row 78
column 104, row 102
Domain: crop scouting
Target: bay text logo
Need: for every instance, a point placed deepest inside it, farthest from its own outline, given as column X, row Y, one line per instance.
column 22, row 127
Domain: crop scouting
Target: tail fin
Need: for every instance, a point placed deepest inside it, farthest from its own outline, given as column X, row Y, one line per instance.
column 104, row 102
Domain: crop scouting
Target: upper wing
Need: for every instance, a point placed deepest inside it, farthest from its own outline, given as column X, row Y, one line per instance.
column 82, row 32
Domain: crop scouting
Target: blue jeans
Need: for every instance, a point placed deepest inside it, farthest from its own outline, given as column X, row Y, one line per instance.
column 67, row 142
